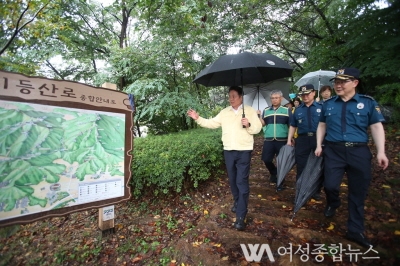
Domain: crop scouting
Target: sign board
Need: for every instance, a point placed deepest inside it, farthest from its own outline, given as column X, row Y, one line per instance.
column 64, row 147
column 108, row 213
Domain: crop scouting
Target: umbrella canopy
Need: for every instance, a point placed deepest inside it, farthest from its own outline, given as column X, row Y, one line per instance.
column 309, row 182
column 244, row 68
column 284, row 162
column 317, row 78
column 258, row 95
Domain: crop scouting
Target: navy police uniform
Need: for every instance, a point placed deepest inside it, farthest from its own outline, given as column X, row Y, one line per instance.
column 306, row 120
column 346, row 150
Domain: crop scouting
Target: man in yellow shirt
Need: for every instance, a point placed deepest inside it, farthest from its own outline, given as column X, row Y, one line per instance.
column 238, row 142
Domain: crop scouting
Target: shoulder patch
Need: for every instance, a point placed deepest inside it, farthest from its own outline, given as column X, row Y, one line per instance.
column 367, row 96
column 330, row 99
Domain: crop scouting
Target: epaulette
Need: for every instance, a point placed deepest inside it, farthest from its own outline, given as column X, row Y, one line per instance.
column 367, row 96
column 334, row 97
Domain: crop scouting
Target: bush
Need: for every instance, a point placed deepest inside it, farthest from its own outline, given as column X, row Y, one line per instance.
column 167, row 163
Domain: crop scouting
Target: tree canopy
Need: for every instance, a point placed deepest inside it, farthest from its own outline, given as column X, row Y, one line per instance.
column 154, row 49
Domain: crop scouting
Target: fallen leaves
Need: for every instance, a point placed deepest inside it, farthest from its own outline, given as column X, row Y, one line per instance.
column 331, row 226
column 137, row 230
column 197, row 244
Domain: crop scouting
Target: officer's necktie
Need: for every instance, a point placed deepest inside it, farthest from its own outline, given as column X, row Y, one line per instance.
column 343, row 119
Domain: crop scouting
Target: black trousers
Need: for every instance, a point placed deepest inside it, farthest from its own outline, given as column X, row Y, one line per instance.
column 270, row 150
column 303, row 147
column 356, row 162
column 238, row 167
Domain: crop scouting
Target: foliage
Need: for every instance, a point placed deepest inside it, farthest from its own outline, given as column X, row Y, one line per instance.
column 163, row 110
column 170, row 163
column 139, row 44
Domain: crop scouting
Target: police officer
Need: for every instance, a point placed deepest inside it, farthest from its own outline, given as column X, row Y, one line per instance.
column 345, row 119
column 305, row 118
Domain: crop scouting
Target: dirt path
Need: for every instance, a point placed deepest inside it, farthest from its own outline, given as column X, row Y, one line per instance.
column 270, row 222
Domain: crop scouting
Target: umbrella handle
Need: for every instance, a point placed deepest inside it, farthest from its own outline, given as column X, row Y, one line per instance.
column 243, row 116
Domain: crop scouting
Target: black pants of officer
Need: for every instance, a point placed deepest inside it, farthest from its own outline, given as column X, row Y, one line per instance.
column 270, row 149
column 304, row 146
column 238, row 168
column 356, row 162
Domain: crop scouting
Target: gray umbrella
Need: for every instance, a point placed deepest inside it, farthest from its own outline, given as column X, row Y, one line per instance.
column 317, row 78
column 258, row 95
column 284, row 162
column 309, row 182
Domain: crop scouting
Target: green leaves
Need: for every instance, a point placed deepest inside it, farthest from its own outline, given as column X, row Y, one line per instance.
column 168, row 163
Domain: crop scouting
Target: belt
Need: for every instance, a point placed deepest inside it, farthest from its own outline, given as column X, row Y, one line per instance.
column 309, row 134
column 347, row 144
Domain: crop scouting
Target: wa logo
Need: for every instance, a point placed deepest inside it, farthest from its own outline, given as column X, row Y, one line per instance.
column 255, row 253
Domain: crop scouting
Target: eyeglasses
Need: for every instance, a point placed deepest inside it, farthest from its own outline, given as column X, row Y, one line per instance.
column 275, row 98
column 341, row 82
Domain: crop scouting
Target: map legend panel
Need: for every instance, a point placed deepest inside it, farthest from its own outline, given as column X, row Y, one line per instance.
column 94, row 191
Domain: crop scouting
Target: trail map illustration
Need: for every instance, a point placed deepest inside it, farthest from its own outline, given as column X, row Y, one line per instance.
column 53, row 157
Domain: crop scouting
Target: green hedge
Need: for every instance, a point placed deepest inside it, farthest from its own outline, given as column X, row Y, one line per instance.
column 167, row 163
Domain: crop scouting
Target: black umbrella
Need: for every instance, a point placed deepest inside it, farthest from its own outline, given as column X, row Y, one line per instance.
column 284, row 162
column 309, row 182
column 244, row 68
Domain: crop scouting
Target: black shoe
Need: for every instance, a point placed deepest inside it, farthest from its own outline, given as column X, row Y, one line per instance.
column 317, row 197
column 359, row 238
column 280, row 188
column 329, row 211
column 239, row 224
column 233, row 209
column 273, row 179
